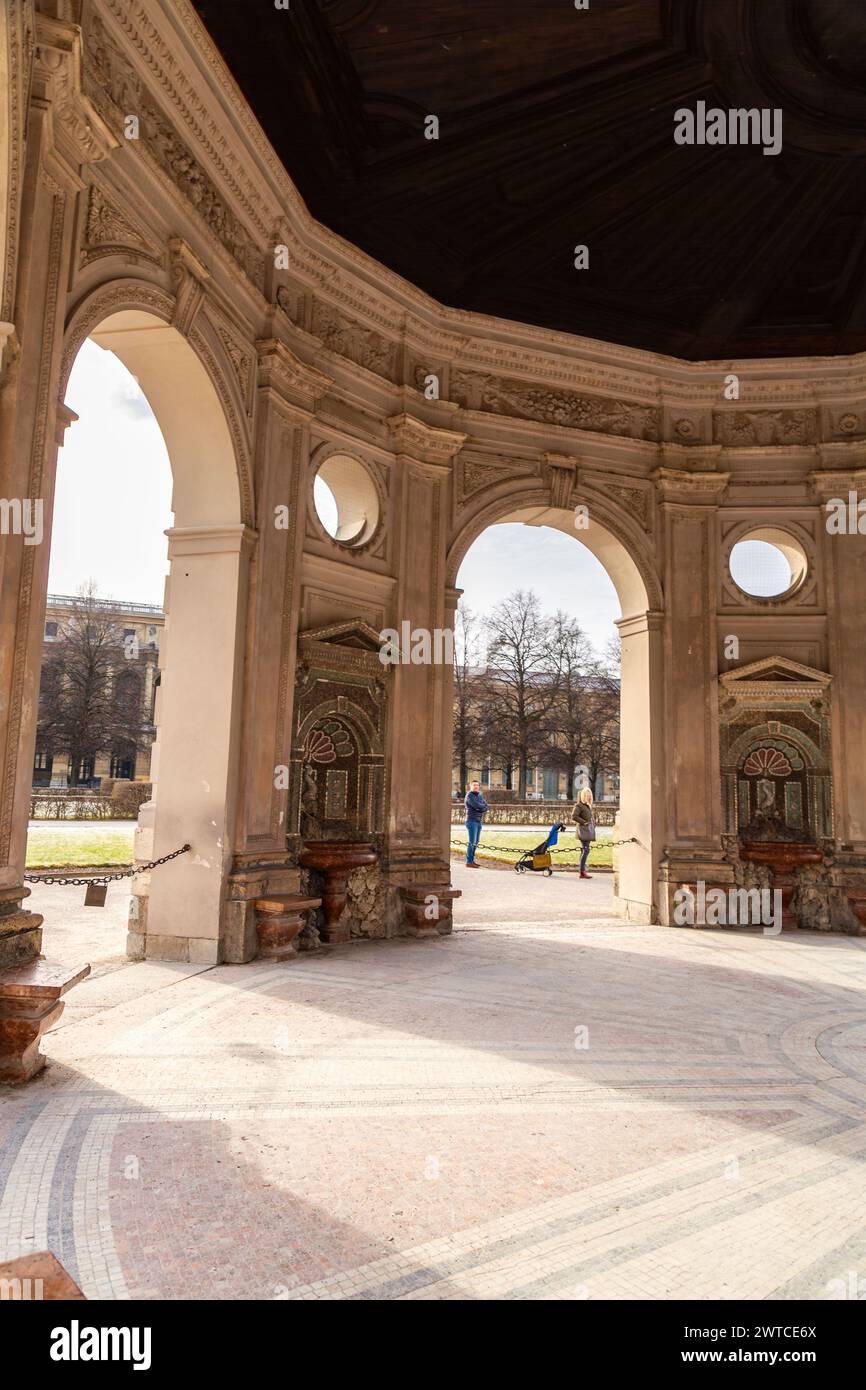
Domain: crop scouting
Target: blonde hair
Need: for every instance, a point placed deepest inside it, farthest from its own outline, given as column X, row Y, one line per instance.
column 586, row 796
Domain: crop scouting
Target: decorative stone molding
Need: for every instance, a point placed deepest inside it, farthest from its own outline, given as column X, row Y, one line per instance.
column 109, row 232
column 426, row 443
column 479, row 473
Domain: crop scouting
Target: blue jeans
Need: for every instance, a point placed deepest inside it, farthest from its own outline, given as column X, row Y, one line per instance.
column 473, row 830
column 585, row 846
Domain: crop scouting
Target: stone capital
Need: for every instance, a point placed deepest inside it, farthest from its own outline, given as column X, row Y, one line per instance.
column 702, row 489
column 78, row 133
column 837, row 482
column 295, row 382
column 425, row 443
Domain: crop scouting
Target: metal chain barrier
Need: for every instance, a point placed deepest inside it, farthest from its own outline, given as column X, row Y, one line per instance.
column 104, row 878
column 554, row 849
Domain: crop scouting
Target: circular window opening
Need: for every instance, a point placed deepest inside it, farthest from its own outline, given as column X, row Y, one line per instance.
column 346, row 500
column 767, row 562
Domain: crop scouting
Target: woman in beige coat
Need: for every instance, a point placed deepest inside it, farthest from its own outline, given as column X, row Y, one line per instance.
column 583, row 815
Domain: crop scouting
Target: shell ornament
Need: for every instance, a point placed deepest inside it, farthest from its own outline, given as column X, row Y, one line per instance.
column 766, row 762
column 328, row 743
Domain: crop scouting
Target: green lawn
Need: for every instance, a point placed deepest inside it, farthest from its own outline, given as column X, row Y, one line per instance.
column 600, row 855
column 54, row 849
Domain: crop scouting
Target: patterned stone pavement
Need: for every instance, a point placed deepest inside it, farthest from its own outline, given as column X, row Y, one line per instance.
column 548, row 1105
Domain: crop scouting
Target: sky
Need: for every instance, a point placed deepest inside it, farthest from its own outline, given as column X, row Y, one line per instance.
column 113, row 498
column 113, row 505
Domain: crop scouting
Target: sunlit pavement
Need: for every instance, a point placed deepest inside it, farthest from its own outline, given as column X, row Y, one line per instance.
column 549, row 1104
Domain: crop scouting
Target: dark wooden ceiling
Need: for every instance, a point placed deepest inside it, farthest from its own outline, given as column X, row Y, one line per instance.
column 556, row 129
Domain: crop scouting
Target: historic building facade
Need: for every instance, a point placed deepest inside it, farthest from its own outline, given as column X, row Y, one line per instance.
column 141, row 205
column 135, row 630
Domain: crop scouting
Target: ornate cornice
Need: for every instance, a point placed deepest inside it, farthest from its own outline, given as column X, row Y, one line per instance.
column 295, row 381
column 423, row 442
column 702, row 489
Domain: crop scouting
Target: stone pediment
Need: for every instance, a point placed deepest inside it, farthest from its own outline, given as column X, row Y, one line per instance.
column 776, row 668
column 775, row 677
column 353, row 633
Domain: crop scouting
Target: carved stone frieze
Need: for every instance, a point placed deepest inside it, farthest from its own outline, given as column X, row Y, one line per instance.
column 349, row 338
column 744, row 427
column 525, row 401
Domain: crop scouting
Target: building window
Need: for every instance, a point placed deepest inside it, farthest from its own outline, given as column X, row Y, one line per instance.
column 485, row 776
column 122, row 769
column 50, row 629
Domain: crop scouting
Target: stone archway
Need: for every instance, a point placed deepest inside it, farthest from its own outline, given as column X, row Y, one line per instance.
column 177, row 912
column 610, row 537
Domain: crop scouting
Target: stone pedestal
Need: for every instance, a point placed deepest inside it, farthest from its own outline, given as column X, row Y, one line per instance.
column 335, row 860
column 30, row 1002
column 279, row 921
column 427, row 908
column 20, row 930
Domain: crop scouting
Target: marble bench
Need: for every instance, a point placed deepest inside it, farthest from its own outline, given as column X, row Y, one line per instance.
column 31, row 1000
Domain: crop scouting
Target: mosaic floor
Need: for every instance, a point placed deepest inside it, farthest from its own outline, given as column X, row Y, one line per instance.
column 548, row 1105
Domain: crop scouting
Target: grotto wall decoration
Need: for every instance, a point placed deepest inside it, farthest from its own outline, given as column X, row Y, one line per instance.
column 775, row 752
column 337, row 770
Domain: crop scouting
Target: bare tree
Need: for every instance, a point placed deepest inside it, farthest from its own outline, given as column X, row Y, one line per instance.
column 467, row 655
column 568, row 726
column 89, row 699
column 523, row 682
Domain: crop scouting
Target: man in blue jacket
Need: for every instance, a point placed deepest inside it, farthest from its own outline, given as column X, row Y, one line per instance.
column 475, row 809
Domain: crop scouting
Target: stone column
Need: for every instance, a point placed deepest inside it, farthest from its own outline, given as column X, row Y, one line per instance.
column 641, row 761
column 288, row 391
column 195, row 796
column 419, row 757
column 64, row 131
column 844, row 557
column 689, row 504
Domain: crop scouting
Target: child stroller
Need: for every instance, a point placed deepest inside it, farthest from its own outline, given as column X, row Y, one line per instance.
column 538, row 859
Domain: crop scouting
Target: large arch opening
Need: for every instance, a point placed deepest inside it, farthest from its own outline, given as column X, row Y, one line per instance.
column 639, row 825
column 176, row 910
